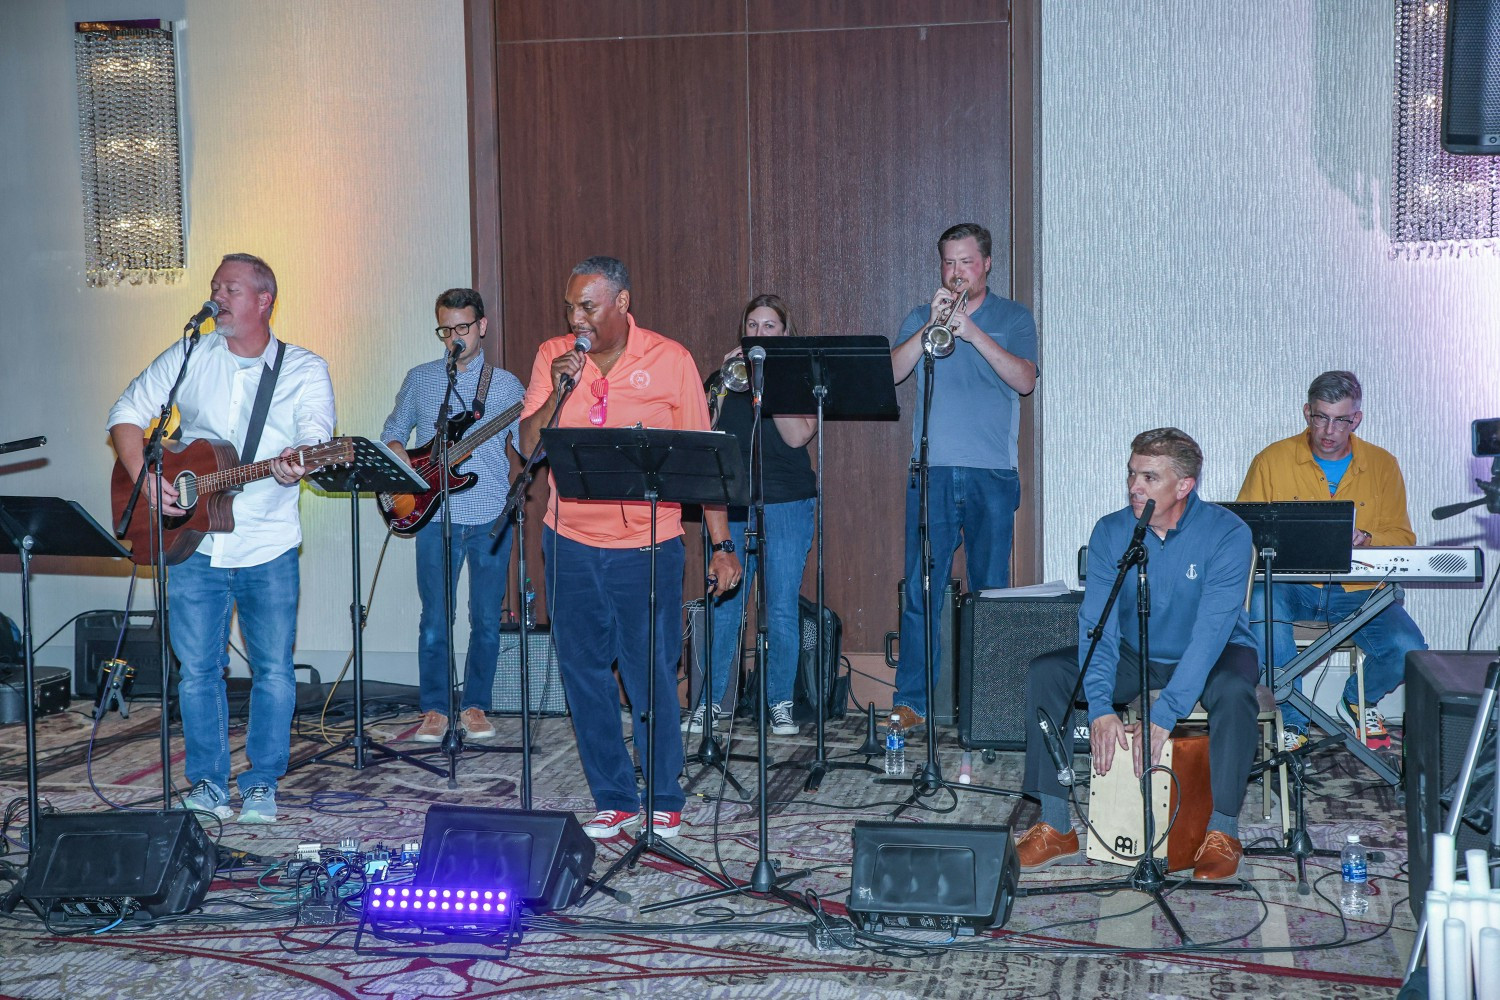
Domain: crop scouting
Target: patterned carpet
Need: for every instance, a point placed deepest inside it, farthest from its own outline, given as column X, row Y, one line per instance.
column 1268, row 941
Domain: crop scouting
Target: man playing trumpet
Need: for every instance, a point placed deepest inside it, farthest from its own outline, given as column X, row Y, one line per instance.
column 973, row 487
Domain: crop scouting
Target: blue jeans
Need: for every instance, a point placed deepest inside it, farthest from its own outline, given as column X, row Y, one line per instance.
column 1385, row 639
column 202, row 599
column 789, row 535
column 599, row 599
column 980, row 505
column 489, row 565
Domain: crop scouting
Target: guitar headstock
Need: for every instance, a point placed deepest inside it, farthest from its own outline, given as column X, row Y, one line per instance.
column 337, row 451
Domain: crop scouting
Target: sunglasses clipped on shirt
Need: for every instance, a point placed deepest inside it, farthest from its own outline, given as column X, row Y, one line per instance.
column 599, row 412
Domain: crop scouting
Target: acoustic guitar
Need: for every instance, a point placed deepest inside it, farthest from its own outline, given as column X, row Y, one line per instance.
column 207, row 475
column 408, row 513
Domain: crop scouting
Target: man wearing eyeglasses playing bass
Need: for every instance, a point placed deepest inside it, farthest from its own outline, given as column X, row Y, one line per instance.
column 1327, row 462
column 598, row 553
column 461, row 329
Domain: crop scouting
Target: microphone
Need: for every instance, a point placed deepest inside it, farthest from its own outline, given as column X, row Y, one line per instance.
column 1440, row 513
column 1053, row 741
column 581, row 344
column 209, row 311
column 1141, row 524
column 757, row 356
column 455, row 351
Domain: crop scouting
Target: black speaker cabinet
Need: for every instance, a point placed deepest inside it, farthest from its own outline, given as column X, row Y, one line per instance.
column 94, row 640
column 1442, row 697
column 998, row 637
column 1471, row 77
column 933, row 875
column 542, row 857
column 547, row 697
column 85, row 864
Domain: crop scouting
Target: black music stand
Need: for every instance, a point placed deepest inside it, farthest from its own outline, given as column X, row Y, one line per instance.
column 375, row 469
column 838, row 378
column 634, row 463
column 47, row 526
column 1295, row 536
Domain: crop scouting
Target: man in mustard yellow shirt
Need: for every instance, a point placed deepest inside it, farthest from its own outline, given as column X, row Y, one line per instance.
column 1327, row 462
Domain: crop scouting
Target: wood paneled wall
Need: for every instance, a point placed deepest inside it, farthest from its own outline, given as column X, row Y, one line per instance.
column 725, row 148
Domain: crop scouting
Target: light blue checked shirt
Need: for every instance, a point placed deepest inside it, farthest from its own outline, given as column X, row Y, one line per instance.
column 416, row 409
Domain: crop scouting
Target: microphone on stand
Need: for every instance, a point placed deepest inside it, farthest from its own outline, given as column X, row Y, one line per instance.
column 209, row 310
column 757, row 356
column 1141, row 524
column 1053, row 741
column 581, row 344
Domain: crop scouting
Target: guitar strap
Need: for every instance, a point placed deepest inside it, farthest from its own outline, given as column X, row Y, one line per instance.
column 262, row 406
column 482, row 391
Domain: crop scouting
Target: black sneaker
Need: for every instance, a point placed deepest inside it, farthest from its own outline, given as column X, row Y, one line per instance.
column 782, row 723
column 694, row 723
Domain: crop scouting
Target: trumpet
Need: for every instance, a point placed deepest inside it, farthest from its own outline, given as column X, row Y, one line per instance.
column 939, row 340
column 735, row 375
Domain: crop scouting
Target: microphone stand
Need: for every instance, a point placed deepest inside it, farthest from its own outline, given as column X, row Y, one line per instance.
column 1150, row 872
column 711, row 753
column 515, row 506
column 152, row 464
column 928, row 778
column 453, row 740
column 764, row 880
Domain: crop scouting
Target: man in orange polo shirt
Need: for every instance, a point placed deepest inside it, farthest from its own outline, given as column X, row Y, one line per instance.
column 598, row 552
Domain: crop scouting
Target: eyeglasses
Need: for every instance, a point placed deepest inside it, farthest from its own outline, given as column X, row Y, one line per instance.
column 1321, row 420
column 458, row 329
column 597, row 413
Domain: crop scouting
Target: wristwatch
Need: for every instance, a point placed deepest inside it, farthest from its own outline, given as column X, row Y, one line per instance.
column 727, row 545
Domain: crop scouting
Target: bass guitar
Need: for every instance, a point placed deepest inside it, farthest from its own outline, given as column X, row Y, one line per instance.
column 408, row 513
column 207, row 475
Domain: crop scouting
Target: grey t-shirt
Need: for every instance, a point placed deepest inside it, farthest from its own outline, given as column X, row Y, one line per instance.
column 975, row 415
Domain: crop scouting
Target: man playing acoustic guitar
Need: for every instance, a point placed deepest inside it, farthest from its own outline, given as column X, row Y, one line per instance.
column 253, row 568
column 481, row 389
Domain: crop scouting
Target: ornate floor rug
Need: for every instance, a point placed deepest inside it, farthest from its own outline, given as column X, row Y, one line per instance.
column 1264, row 941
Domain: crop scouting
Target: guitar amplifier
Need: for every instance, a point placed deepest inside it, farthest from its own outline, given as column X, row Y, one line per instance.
column 547, row 697
column 998, row 638
column 95, row 638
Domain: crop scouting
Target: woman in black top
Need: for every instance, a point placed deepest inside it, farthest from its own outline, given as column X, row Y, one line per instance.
column 790, row 489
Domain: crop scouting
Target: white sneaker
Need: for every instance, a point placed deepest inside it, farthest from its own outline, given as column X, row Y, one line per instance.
column 694, row 723
column 782, row 723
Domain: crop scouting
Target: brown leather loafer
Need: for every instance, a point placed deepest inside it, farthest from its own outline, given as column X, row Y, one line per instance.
column 1218, row 859
column 909, row 719
column 1041, row 847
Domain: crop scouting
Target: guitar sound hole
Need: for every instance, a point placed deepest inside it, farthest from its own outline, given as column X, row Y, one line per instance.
column 187, row 491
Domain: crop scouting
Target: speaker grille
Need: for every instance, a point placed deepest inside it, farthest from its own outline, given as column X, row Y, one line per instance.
column 1471, row 82
column 998, row 638
column 547, row 697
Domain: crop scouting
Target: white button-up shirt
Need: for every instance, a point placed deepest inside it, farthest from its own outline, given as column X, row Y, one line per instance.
column 215, row 401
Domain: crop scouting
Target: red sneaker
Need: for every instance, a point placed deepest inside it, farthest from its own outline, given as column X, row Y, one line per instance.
column 611, row 823
column 666, row 824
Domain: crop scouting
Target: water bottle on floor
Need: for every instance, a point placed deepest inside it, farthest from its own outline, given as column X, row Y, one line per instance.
column 1354, row 896
column 895, row 749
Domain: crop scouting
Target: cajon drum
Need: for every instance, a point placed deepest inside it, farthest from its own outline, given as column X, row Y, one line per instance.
column 1115, row 804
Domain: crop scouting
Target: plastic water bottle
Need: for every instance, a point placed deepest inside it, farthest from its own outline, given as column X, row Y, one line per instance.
column 966, row 769
column 895, row 749
column 530, row 608
column 1354, row 897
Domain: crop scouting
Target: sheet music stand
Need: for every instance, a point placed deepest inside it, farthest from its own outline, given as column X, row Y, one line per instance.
column 634, row 463
column 1295, row 536
column 375, row 469
column 838, row 378
column 50, row 526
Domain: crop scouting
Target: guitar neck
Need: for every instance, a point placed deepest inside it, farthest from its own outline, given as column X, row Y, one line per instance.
column 464, row 448
column 313, row 457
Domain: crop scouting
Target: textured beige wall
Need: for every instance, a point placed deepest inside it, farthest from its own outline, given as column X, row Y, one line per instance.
column 1215, row 211
column 328, row 137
